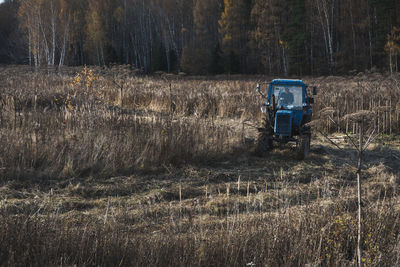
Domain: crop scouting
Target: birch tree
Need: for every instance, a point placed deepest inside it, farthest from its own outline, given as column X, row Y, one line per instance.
column 393, row 48
column 326, row 12
column 29, row 14
column 65, row 18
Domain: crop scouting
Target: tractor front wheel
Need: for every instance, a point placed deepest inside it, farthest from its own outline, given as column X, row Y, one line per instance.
column 303, row 147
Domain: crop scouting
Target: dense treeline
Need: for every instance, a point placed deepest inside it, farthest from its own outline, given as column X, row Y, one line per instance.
column 286, row 37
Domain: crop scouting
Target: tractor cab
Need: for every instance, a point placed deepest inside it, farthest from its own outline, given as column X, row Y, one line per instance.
column 287, row 111
column 291, row 104
column 288, row 94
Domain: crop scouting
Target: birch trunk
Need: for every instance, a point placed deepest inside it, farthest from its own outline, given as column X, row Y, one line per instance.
column 62, row 55
column 323, row 15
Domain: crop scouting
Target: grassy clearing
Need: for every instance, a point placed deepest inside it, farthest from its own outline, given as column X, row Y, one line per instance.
column 160, row 175
column 305, row 216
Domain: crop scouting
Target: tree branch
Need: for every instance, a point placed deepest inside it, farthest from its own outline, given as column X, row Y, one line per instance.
column 370, row 139
column 330, row 140
column 351, row 140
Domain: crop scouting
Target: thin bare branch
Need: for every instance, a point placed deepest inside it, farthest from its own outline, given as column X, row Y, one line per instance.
column 370, row 139
column 330, row 140
column 351, row 140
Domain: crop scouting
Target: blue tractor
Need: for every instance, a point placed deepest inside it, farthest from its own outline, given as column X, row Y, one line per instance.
column 286, row 112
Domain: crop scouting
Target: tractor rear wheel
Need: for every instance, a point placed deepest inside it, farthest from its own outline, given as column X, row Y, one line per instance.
column 263, row 144
column 264, row 138
column 303, row 147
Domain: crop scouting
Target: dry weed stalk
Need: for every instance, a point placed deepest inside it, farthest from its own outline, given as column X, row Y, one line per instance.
column 364, row 119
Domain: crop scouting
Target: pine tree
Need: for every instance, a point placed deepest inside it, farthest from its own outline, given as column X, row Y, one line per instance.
column 200, row 51
column 216, row 66
column 234, row 25
column 294, row 34
column 266, row 37
column 384, row 14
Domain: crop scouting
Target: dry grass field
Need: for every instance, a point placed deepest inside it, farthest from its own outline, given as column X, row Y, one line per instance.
column 107, row 167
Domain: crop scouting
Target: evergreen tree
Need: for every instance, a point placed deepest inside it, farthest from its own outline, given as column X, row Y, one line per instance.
column 216, row 66
column 234, row 25
column 159, row 59
column 232, row 64
column 200, row 51
column 195, row 60
column 384, row 14
column 294, row 34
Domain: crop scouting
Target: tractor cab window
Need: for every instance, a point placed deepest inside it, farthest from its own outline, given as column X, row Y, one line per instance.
column 289, row 97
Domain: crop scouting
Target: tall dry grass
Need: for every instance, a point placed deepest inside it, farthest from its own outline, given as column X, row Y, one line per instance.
column 309, row 235
column 370, row 91
column 90, row 120
column 99, row 121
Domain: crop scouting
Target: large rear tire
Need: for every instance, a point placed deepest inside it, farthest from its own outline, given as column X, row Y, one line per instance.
column 264, row 139
column 303, row 147
column 263, row 144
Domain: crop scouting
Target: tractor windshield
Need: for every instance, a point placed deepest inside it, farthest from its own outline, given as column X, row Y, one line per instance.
column 288, row 96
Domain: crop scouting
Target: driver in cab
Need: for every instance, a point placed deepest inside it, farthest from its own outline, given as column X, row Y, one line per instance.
column 286, row 97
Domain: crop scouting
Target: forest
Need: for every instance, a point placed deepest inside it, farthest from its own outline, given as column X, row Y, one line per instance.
column 274, row 37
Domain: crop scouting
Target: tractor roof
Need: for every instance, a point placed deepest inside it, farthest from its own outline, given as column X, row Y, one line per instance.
column 288, row 82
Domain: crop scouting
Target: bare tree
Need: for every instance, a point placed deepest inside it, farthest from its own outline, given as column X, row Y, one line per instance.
column 366, row 134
